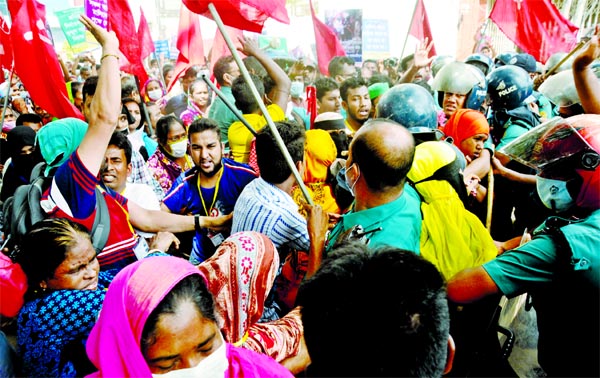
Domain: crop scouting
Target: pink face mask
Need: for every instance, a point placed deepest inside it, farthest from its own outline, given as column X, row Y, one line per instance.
column 8, row 125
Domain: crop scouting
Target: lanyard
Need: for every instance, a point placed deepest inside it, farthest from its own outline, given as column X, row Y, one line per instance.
column 214, row 195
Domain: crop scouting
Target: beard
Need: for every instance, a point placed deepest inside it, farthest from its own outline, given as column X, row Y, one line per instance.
column 216, row 167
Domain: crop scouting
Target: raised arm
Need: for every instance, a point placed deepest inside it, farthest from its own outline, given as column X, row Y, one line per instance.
column 586, row 82
column 282, row 81
column 106, row 103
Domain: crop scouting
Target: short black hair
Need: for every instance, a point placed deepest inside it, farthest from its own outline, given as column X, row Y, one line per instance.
column 380, row 78
column 336, row 65
column 128, row 87
column 244, row 100
column 351, row 83
column 404, row 62
column 202, row 124
column 89, row 87
column 166, row 68
column 163, row 125
column 75, row 86
column 221, row 67
column 271, row 162
column 324, row 85
column 255, row 67
column 408, row 337
column 28, row 117
column 120, row 140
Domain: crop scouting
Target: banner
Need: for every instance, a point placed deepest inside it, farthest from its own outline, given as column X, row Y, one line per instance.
column 376, row 39
column 347, row 25
column 73, row 30
column 161, row 47
column 97, row 11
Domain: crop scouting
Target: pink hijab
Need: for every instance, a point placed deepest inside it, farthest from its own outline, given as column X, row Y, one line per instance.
column 114, row 344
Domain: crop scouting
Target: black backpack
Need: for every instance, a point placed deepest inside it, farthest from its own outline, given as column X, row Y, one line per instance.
column 23, row 210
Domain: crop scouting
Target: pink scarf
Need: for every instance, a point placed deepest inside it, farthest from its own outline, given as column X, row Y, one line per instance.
column 114, row 342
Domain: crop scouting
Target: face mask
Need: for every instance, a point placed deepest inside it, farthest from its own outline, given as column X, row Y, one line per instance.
column 213, row 366
column 178, row 149
column 8, row 125
column 155, row 94
column 297, row 89
column 343, row 181
column 554, row 194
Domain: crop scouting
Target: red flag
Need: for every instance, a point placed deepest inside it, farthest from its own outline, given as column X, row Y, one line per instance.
column 144, row 36
column 536, row 26
column 243, row 14
column 219, row 47
column 419, row 27
column 189, row 43
column 35, row 60
column 327, row 43
column 120, row 20
column 6, row 53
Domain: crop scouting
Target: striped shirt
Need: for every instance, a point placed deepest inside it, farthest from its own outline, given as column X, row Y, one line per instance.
column 264, row 208
column 72, row 195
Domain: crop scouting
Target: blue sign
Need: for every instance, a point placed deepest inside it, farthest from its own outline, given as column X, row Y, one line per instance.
column 375, row 36
column 162, row 47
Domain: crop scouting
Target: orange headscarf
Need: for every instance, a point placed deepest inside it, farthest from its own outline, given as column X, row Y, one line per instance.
column 465, row 123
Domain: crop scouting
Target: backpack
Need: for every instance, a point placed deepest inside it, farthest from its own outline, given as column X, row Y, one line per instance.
column 23, row 210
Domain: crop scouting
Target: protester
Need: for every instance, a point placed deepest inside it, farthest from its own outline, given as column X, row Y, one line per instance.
column 328, row 95
column 356, row 102
column 225, row 72
column 198, row 102
column 341, row 68
column 211, row 188
column 20, row 143
column 65, row 294
column 171, row 158
column 158, row 326
column 177, row 104
column 412, row 311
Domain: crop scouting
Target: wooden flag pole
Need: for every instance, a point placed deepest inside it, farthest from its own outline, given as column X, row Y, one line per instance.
column 257, row 97
column 412, row 19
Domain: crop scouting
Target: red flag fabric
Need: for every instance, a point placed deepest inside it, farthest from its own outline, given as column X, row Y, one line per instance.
column 536, row 26
column 189, row 44
column 219, row 47
column 327, row 43
column 35, row 60
column 120, row 20
column 419, row 27
column 6, row 54
column 144, row 36
column 243, row 14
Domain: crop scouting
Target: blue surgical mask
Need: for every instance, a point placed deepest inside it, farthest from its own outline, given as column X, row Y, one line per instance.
column 343, row 181
column 554, row 194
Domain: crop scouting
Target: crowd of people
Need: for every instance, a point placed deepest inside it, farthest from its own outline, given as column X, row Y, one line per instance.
column 430, row 187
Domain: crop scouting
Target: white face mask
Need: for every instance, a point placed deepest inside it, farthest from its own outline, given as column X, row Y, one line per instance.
column 554, row 194
column 178, row 149
column 155, row 94
column 213, row 366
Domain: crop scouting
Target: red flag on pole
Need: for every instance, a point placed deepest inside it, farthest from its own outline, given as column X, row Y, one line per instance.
column 536, row 26
column 327, row 43
column 189, row 43
column 35, row 60
column 242, row 14
column 419, row 26
column 120, row 20
column 219, row 47
column 144, row 36
column 6, row 54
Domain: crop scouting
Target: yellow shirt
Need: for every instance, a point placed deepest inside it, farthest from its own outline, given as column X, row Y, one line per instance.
column 240, row 137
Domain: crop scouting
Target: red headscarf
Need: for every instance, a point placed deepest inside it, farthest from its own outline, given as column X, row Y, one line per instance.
column 465, row 123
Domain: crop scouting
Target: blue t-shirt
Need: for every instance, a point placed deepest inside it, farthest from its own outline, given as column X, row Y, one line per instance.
column 184, row 198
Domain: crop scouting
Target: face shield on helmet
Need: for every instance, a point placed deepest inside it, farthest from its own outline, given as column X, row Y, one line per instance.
column 464, row 79
column 413, row 107
column 563, row 149
column 508, row 87
column 560, row 88
column 555, row 58
column 481, row 61
column 439, row 62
